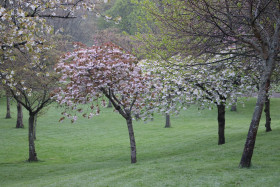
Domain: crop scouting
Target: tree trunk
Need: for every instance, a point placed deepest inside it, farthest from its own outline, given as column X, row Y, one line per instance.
column 233, row 106
column 19, row 116
column 253, row 129
column 221, row 123
column 167, row 121
column 109, row 104
column 267, row 109
column 132, row 140
column 35, row 126
column 8, row 115
column 267, row 114
column 137, row 117
column 32, row 152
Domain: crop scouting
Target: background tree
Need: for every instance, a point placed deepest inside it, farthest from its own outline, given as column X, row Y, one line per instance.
column 81, row 29
column 168, row 86
column 125, row 41
column 8, row 104
column 253, row 69
column 129, row 14
column 19, row 123
column 269, row 91
column 234, row 106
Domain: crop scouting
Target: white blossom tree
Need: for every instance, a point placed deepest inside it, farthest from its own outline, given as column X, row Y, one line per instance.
column 25, row 36
column 207, row 27
column 31, row 87
column 169, row 95
column 182, row 81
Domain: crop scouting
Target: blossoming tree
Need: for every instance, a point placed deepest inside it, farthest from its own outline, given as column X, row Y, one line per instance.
column 182, row 81
column 169, row 95
column 25, row 38
column 23, row 24
column 218, row 84
column 31, row 87
column 206, row 27
column 90, row 75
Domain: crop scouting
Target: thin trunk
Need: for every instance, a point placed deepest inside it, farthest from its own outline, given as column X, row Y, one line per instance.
column 132, row 140
column 167, row 121
column 8, row 115
column 109, row 104
column 267, row 109
column 32, row 152
column 233, row 106
column 221, row 123
column 137, row 117
column 253, row 129
column 35, row 126
column 19, row 116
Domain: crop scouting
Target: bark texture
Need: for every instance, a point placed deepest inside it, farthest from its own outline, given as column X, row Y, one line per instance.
column 32, row 151
column 109, row 104
column 126, row 113
column 19, row 116
column 35, row 126
column 8, row 115
column 267, row 114
column 167, row 121
column 221, row 123
column 233, row 106
column 253, row 129
column 132, row 140
column 267, row 109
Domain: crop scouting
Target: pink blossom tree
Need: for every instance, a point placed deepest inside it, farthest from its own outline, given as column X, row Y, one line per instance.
column 90, row 75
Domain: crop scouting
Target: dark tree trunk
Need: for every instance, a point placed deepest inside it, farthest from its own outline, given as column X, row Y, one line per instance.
column 132, row 140
column 35, row 126
column 253, row 129
column 137, row 116
column 167, row 121
column 267, row 109
column 8, row 115
column 19, row 116
column 32, row 152
column 233, row 106
column 109, row 104
column 267, row 114
column 221, row 122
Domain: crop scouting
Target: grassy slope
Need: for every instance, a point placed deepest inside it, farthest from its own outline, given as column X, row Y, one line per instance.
column 96, row 152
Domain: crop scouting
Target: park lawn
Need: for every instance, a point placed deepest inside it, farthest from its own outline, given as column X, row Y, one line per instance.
column 96, row 152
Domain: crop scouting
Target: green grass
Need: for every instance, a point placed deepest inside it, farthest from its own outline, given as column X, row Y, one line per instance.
column 96, row 152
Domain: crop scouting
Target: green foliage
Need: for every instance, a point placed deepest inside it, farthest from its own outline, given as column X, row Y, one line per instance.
column 159, row 41
column 95, row 152
column 277, row 88
column 129, row 12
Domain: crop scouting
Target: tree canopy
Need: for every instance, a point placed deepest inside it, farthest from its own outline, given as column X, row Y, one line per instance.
column 241, row 29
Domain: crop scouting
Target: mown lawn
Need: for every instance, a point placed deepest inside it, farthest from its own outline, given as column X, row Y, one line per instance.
column 96, row 152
